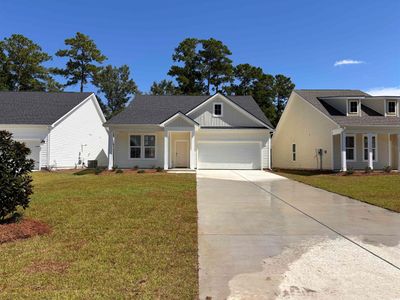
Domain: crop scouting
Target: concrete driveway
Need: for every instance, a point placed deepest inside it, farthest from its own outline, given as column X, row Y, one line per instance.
column 262, row 236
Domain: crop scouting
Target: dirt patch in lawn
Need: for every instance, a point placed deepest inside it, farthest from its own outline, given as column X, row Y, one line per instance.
column 47, row 266
column 22, row 229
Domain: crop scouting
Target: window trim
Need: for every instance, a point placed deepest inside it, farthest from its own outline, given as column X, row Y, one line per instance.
column 222, row 109
column 395, row 108
column 142, row 147
column 376, row 147
column 294, row 152
column 354, row 148
column 349, row 112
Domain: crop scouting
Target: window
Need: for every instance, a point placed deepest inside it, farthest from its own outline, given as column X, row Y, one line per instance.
column 135, row 144
column 294, row 152
column 353, row 107
column 391, row 107
column 217, row 109
column 365, row 143
column 149, row 146
column 142, row 146
column 350, row 147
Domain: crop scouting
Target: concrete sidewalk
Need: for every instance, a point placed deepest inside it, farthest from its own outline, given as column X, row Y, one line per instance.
column 262, row 236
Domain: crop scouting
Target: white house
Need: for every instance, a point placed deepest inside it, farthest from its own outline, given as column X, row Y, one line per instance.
column 338, row 130
column 63, row 130
column 194, row 132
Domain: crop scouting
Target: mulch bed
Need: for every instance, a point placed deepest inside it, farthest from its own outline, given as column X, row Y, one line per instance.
column 22, row 229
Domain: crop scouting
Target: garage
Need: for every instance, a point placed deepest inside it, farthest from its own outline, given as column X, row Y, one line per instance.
column 229, row 155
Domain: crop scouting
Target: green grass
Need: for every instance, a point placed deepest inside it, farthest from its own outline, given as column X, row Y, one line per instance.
column 114, row 236
column 380, row 190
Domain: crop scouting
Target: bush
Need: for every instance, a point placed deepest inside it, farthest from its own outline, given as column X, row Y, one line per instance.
column 387, row 169
column 119, row 171
column 367, row 170
column 140, row 171
column 135, row 168
column 159, row 169
column 98, row 170
column 349, row 171
column 15, row 178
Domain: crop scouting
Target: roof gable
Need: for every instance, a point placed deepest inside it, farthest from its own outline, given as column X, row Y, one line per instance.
column 37, row 108
column 148, row 109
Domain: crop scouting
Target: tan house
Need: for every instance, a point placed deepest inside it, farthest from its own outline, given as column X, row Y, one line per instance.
column 192, row 132
column 337, row 130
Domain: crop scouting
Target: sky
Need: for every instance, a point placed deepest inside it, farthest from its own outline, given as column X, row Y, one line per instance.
column 319, row 44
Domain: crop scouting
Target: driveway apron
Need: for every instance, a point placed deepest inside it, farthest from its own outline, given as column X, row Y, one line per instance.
column 262, row 236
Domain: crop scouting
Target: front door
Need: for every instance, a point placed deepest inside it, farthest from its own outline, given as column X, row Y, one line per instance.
column 181, row 154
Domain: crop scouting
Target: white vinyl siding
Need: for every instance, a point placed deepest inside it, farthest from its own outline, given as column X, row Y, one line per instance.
column 78, row 138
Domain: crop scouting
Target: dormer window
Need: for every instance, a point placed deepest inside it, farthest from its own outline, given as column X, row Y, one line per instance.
column 391, row 107
column 353, row 107
column 217, row 110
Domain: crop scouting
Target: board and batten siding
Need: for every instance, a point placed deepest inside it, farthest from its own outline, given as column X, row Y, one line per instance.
column 231, row 117
column 78, row 138
column 310, row 130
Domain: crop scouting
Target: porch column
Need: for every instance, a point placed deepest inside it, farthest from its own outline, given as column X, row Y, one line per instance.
column 192, row 152
column 370, row 153
column 110, row 149
column 398, row 152
column 343, row 151
column 166, row 152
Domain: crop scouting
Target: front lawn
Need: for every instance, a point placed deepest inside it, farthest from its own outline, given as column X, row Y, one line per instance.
column 113, row 236
column 381, row 190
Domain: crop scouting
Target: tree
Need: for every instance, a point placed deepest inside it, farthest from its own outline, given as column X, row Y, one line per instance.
column 21, row 65
column 246, row 77
column 15, row 179
column 164, row 87
column 188, row 75
column 116, row 86
column 83, row 59
column 216, row 67
column 283, row 87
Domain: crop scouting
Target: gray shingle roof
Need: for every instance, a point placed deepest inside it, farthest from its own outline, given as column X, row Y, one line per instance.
column 147, row 109
column 37, row 108
column 318, row 98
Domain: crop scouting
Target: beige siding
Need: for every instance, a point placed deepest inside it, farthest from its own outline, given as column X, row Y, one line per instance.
column 360, row 163
column 310, row 130
column 231, row 116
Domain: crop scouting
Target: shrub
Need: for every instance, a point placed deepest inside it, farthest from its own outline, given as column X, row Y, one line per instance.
column 119, row 171
column 349, row 171
column 15, row 178
column 98, row 170
column 387, row 169
column 367, row 170
column 159, row 169
column 135, row 168
column 140, row 171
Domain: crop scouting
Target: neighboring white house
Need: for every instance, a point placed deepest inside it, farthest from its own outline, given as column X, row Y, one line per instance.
column 337, row 130
column 196, row 132
column 63, row 130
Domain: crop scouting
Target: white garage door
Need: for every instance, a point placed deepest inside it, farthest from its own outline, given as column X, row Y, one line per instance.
column 35, row 152
column 229, row 155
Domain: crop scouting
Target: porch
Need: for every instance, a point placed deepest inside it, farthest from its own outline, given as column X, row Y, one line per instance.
column 357, row 148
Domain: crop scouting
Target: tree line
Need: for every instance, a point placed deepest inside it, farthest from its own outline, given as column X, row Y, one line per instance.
column 200, row 67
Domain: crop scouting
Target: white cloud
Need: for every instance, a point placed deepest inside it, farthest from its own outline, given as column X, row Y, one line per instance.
column 385, row 91
column 348, row 62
